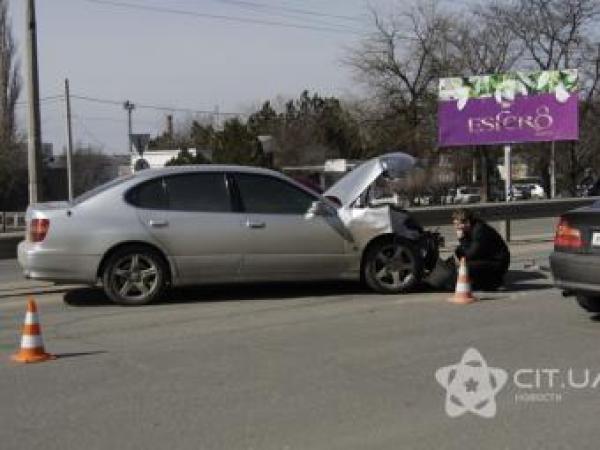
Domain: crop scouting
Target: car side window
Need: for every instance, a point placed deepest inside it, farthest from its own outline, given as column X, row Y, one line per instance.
column 148, row 195
column 262, row 194
column 198, row 192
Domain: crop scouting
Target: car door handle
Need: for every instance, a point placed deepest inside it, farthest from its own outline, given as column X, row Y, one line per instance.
column 158, row 223
column 255, row 225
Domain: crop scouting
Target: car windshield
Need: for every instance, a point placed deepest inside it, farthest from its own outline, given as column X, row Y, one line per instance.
column 99, row 189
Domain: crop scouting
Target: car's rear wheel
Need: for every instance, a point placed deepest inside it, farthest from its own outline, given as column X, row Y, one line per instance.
column 134, row 275
column 590, row 304
column 392, row 267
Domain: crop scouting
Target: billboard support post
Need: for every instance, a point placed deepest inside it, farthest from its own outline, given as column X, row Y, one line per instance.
column 507, row 187
column 553, row 171
column 485, row 194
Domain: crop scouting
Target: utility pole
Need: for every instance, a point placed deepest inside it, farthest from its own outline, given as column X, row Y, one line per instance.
column 170, row 127
column 216, row 118
column 34, row 147
column 129, row 107
column 69, row 140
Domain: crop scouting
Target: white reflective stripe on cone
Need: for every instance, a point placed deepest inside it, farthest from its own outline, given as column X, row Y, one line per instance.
column 463, row 287
column 35, row 341
column 31, row 318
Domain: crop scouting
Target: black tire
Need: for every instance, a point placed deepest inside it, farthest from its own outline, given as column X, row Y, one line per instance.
column 590, row 304
column 386, row 257
column 131, row 284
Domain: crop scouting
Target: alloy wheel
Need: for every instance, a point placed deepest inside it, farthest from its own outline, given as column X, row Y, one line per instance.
column 135, row 277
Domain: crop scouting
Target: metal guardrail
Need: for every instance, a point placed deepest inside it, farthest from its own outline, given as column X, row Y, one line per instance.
column 519, row 210
column 12, row 221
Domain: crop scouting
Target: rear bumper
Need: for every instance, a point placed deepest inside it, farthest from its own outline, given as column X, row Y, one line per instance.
column 575, row 272
column 52, row 265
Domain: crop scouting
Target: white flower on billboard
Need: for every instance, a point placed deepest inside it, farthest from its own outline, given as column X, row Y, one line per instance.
column 543, row 81
column 454, row 89
column 505, row 88
column 508, row 89
column 562, row 95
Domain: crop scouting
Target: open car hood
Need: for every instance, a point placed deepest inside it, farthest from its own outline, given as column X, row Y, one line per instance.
column 352, row 185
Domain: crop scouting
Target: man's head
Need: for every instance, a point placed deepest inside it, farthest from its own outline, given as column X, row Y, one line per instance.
column 463, row 220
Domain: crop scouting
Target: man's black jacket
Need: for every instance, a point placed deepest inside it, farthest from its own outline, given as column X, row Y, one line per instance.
column 483, row 243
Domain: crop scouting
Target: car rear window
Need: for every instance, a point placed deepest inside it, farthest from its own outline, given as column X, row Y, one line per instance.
column 202, row 192
column 149, row 195
column 195, row 192
column 99, row 189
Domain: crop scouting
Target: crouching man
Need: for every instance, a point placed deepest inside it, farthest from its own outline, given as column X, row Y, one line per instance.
column 487, row 255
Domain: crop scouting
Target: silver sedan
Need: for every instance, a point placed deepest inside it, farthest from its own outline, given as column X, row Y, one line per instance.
column 177, row 226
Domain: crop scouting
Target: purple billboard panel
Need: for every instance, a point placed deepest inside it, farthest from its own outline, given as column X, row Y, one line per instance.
column 485, row 121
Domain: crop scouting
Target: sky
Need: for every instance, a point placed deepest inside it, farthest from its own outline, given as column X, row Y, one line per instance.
column 202, row 55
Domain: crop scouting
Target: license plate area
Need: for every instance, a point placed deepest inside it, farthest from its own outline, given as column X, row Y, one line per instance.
column 596, row 239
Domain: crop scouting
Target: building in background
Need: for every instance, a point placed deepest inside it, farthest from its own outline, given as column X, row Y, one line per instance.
column 159, row 158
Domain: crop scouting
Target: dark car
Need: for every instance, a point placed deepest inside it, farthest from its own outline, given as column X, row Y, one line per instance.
column 575, row 261
column 591, row 190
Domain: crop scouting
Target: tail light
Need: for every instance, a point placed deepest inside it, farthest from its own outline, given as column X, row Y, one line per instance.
column 38, row 229
column 567, row 236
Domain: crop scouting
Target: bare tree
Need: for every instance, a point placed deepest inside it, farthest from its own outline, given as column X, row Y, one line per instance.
column 10, row 87
column 552, row 31
column 402, row 61
column 482, row 44
column 555, row 34
column 10, row 80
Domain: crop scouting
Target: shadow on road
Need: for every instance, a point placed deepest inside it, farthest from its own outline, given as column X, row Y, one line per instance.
column 224, row 293
column 518, row 280
column 515, row 281
column 75, row 355
column 20, row 292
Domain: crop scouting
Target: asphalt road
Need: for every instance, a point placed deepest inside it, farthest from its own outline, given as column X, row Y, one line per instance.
column 327, row 366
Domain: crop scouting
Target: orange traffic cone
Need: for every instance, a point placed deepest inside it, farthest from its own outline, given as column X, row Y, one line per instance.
column 32, row 346
column 463, row 294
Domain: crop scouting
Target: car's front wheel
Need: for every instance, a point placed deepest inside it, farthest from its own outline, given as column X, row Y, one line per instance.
column 134, row 275
column 590, row 304
column 392, row 267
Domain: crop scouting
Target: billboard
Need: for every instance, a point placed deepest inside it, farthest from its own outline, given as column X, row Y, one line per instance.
column 508, row 108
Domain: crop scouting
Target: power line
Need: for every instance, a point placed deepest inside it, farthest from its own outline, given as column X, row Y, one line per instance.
column 158, row 9
column 111, row 119
column 119, row 103
column 306, row 12
column 153, row 107
column 48, row 99
column 310, row 17
column 91, row 135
